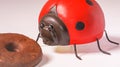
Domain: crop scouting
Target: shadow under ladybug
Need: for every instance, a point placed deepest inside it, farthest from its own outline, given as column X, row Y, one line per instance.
column 53, row 31
column 89, row 48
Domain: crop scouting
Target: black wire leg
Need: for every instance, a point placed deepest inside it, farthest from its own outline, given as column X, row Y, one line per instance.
column 109, row 39
column 38, row 37
column 75, row 50
column 101, row 49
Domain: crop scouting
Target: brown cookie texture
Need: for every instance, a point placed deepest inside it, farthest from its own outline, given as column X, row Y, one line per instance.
column 17, row 50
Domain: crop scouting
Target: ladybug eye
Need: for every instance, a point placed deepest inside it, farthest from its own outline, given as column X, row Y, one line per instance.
column 42, row 25
column 50, row 27
column 80, row 26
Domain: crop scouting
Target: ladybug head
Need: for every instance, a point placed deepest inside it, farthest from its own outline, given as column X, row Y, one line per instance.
column 53, row 30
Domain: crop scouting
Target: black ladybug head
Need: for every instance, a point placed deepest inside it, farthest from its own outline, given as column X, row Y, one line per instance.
column 53, row 30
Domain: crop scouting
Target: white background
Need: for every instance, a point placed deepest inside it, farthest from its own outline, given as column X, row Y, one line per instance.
column 21, row 16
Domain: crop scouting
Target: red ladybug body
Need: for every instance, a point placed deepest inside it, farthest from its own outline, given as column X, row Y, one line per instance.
column 72, row 12
column 71, row 22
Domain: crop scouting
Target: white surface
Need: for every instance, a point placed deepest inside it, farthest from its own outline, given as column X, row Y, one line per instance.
column 21, row 16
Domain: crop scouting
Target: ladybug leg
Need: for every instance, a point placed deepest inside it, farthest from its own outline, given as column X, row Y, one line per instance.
column 109, row 39
column 39, row 35
column 75, row 50
column 101, row 49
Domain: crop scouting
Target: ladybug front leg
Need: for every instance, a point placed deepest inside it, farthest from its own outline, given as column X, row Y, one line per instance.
column 39, row 35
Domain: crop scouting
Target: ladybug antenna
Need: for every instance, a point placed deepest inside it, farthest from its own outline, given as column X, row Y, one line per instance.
column 54, row 10
column 75, row 50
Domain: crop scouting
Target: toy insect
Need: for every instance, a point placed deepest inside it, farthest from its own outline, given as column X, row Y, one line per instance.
column 72, row 22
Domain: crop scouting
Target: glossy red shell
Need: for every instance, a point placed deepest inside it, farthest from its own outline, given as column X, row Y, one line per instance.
column 72, row 11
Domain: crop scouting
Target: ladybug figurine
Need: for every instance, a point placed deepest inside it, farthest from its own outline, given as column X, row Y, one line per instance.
column 72, row 22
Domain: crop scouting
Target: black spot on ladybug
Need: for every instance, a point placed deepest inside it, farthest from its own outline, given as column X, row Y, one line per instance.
column 89, row 2
column 54, row 10
column 80, row 26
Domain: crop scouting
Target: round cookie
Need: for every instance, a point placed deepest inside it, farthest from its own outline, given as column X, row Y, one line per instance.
column 17, row 50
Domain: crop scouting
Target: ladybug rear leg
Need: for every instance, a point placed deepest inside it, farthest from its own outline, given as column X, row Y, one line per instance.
column 39, row 35
column 76, row 54
column 109, row 39
column 101, row 49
